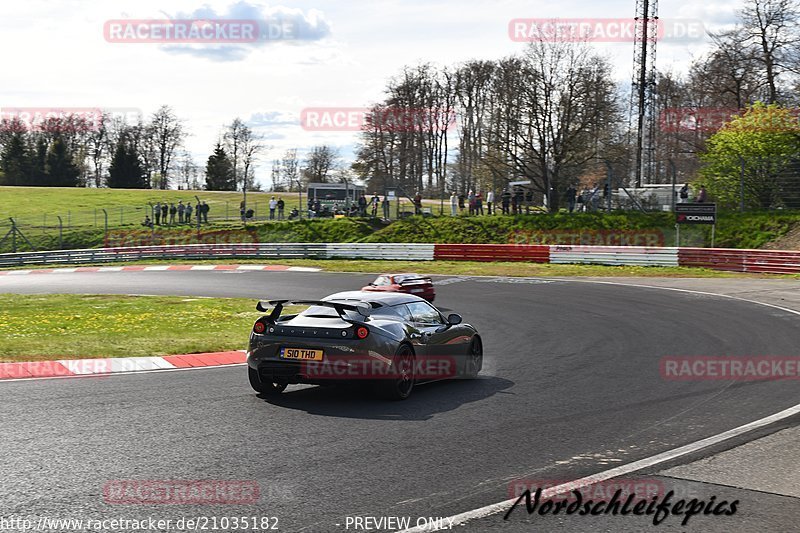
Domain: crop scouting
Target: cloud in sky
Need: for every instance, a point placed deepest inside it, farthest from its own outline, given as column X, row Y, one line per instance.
column 341, row 55
column 272, row 25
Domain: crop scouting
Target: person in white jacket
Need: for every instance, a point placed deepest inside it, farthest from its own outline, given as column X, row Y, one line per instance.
column 272, row 205
column 490, row 202
column 453, row 204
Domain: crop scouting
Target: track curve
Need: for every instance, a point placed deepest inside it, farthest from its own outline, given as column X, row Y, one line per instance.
column 571, row 384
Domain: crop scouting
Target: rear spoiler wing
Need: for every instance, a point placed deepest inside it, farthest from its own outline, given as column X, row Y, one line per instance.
column 416, row 280
column 277, row 306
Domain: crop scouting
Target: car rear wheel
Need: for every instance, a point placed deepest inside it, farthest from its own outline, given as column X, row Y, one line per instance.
column 474, row 361
column 265, row 388
column 401, row 383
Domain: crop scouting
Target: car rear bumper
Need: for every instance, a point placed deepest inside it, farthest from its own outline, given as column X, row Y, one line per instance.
column 348, row 360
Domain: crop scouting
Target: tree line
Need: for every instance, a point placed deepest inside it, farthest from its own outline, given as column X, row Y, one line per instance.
column 553, row 113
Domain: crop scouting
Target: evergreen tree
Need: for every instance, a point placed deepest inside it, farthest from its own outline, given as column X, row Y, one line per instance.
column 38, row 164
column 15, row 161
column 219, row 171
column 126, row 170
column 61, row 169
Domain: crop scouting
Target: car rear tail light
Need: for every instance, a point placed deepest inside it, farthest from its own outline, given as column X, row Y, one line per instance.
column 259, row 327
column 362, row 332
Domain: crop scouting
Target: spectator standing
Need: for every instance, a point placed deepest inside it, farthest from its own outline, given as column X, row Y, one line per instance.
column 188, row 214
column 386, row 207
column 206, row 209
column 172, row 212
column 281, row 205
column 273, row 205
column 490, row 202
column 571, row 195
column 418, row 204
column 164, row 211
column 181, row 211
column 362, row 205
column 375, row 203
column 684, row 193
column 461, row 203
column 478, row 204
column 453, row 204
column 505, row 201
column 701, row 196
column 517, row 201
column 471, row 201
column 157, row 213
column 317, row 206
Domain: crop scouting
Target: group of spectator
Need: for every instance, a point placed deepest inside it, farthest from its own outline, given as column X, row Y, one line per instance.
column 684, row 194
column 512, row 202
column 362, row 207
column 169, row 214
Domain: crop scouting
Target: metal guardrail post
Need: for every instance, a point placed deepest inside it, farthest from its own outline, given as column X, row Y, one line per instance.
column 105, row 225
column 60, row 233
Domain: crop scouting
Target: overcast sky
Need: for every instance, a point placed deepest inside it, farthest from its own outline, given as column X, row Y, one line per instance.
column 334, row 54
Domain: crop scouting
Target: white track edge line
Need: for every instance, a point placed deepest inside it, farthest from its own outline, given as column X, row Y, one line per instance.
column 641, row 464
column 133, row 372
column 482, row 512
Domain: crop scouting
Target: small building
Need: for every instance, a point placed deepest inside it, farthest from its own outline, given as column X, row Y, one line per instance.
column 334, row 193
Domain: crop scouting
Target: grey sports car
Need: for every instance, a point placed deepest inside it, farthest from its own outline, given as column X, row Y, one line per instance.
column 393, row 340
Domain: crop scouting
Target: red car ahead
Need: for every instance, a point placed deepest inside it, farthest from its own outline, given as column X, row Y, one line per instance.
column 407, row 283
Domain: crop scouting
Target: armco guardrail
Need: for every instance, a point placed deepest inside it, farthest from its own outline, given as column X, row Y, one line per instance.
column 614, row 255
column 756, row 261
column 530, row 253
column 410, row 252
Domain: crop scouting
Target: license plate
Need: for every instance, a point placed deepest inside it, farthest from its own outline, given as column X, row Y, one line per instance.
column 301, row 354
column 417, row 290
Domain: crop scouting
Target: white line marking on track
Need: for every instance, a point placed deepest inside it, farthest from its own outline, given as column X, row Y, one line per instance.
column 483, row 512
column 136, row 373
column 489, row 510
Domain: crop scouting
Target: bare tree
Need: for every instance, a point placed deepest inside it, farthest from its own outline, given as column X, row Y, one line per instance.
column 771, row 28
column 165, row 134
column 319, row 164
column 290, row 168
column 243, row 147
column 553, row 105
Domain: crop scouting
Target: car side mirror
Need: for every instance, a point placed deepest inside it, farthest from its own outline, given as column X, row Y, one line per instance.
column 454, row 319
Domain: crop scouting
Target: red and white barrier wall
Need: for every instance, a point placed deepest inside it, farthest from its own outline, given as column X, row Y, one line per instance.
column 756, row 261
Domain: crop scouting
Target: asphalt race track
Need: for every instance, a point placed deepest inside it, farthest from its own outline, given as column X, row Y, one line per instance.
column 571, row 386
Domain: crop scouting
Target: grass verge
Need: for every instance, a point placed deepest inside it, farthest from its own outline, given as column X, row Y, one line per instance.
column 37, row 328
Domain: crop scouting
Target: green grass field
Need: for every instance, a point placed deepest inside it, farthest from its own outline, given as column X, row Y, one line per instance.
column 83, row 221
column 52, row 327
column 31, row 204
